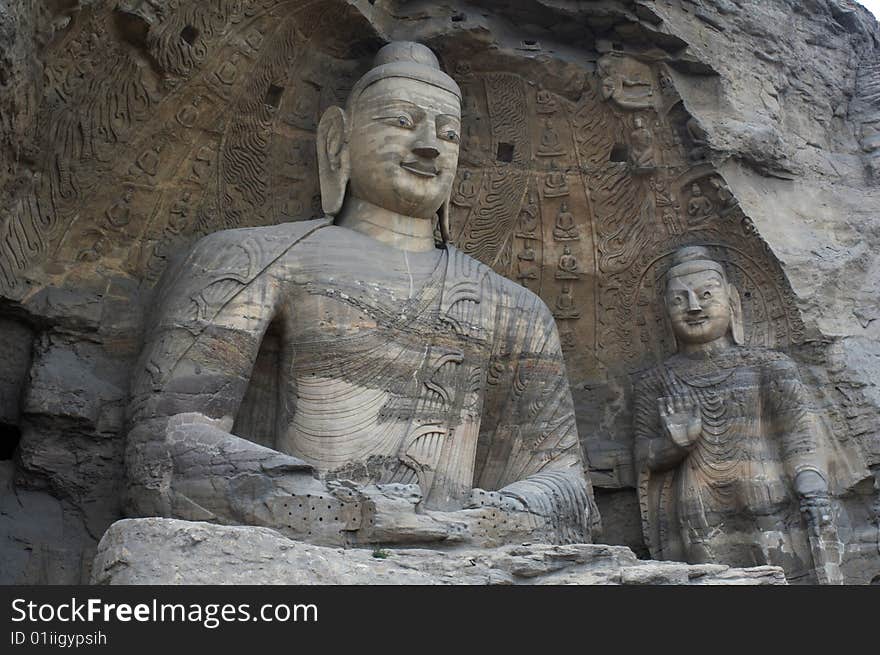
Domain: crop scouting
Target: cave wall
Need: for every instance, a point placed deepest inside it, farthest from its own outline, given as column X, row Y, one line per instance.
column 130, row 129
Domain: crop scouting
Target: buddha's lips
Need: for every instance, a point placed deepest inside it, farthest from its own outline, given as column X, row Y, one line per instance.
column 699, row 320
column 417, row 167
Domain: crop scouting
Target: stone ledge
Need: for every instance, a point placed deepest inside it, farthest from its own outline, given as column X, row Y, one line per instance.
column 172, row 552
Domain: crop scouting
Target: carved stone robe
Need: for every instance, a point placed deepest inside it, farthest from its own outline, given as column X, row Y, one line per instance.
column 371, row 365
column 730, row 499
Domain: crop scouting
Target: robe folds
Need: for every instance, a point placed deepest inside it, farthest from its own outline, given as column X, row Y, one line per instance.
column 730, row 498
column 371, row 365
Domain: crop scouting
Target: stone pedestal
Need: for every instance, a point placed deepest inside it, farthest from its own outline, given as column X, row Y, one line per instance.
column 168, row 551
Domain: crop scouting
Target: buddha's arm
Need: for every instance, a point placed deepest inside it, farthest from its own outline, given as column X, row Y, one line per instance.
column 531, row 453
column 181, row 459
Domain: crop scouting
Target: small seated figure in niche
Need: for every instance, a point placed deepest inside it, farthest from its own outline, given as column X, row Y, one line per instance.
column 726, row 199
column 546, row 103
column 97, row 250
column 699, row 206
column 550, row 145
column 202, row 164
column 119, row 214
column 179, row 213
column 699, row 140
column 466, row 191
column 565, row 307
column 188, row 115
column 148, row 161
column 463, row 70
column 555, row 184
column 568, row 266
column 565, row 229
column 528, row 218
column 472, row 151
column 526, row 263
column 732, row 466
column 346, row 380
column 567, row 338
column 642, row 146
column 228, row 71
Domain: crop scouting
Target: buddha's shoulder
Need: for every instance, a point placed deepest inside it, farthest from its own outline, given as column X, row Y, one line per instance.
column 510, row 292
column 256, row 239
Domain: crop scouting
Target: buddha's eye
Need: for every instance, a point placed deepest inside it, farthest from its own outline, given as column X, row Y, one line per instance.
column 405, row 121
column 707, row 294
column 450, row 135
column 678, row 300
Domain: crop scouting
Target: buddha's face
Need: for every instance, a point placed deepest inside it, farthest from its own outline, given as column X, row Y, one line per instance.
column 699, row 306
column 404, row 146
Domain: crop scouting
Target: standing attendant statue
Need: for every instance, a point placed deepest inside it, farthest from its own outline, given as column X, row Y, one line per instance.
column 734, row 468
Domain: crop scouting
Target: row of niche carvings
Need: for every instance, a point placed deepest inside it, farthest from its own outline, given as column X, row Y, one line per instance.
column 582, row 201
column 223, row 139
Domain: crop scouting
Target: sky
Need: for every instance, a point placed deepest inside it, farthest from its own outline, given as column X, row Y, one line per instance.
column 873, row 5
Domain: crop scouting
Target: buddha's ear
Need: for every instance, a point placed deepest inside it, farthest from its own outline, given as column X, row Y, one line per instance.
column 736, row 316
column 443, row 214
column 334, row 164
column 667, row 322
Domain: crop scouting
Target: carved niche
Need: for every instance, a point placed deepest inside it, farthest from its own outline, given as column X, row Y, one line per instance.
column 587, row 183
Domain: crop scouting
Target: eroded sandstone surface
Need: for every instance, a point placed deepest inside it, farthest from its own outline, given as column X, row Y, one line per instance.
column 167, row 551
column 597, row 138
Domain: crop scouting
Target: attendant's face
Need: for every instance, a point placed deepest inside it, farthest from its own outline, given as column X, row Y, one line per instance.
column 698, row 306
column 404, row 146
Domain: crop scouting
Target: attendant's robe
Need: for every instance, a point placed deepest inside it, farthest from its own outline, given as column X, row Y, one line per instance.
column 730, row 498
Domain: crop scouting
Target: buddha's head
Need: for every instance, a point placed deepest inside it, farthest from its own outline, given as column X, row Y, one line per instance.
column 395, row 145
column 702, row 305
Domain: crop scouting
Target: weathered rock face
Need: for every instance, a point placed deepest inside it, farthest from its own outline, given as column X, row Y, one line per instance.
column 167, row 551
column 597, row 138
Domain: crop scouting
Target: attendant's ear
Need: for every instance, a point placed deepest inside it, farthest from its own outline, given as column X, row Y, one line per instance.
column 334, row 163
column 736, row 316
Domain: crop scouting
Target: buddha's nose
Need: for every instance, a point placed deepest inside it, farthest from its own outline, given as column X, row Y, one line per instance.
column 693, row 302
column 426, row 150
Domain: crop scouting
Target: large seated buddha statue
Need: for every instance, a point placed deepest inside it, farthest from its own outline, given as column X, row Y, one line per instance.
column 416, row 396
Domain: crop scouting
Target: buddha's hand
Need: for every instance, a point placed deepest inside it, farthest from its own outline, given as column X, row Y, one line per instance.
column 681, row 418
column 482, row 498
column 815, row 502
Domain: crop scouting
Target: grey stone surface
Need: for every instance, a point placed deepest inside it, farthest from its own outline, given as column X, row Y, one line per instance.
column 777, row 97
column 15, row 353
column 168, row 551
column 39, row 543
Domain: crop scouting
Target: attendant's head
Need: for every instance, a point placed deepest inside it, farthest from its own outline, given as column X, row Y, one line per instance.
column 702, row 305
